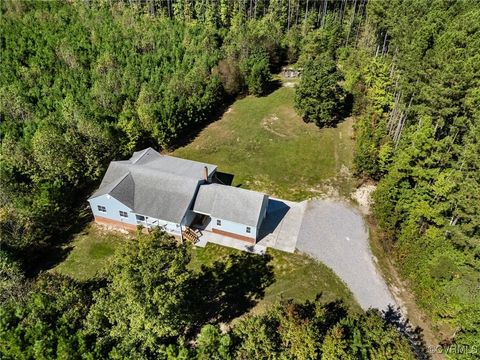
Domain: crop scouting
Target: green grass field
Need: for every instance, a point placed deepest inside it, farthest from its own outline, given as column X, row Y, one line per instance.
column 267, row 147
column 296, row 277
column 91, row 251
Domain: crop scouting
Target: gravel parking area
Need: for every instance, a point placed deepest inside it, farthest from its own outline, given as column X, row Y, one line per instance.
column 335, row 234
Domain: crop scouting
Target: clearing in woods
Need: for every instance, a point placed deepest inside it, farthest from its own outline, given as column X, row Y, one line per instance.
column 267, row 147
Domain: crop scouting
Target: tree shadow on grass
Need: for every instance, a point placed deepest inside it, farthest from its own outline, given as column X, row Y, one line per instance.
column 414, row 335
column 227, row 289
column 272, row 86
column 189, row 133
column 56, row 249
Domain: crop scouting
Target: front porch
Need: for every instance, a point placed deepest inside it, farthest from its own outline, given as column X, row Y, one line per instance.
column 201, row 232
column 202, row 237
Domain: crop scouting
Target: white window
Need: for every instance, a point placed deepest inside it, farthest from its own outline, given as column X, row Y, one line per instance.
column 140, row 217
column 123, row 214
column 102, row 208
column 249, row 230
column 219, row 222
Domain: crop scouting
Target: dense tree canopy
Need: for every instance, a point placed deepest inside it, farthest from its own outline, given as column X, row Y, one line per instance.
column 418, row 133
column 147, row 308
column 146, row 298
column 47, row 324
column 319, row 97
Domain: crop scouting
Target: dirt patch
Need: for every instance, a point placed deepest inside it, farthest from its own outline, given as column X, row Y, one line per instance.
column 363, row 197
column 268, row 124
column 345, row 171
column 327, row 191
column 106, row 230
column 289, row 84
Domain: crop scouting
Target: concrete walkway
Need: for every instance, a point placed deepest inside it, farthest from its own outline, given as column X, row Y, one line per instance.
column 333, row 233
column 208, row 236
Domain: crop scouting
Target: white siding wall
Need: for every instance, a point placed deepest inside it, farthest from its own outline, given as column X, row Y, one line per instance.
column 233, row 227
column 113, row 207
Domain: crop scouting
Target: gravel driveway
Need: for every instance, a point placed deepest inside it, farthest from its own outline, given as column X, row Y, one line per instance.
column 336, row 235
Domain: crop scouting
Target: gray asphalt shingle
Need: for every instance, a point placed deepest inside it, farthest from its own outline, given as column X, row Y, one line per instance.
column 230, row 203
column 154, row 185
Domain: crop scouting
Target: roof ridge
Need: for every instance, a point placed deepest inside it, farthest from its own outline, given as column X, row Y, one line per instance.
column 141, row 169
column 118, row 182
column 215, row 195
column 143, row 152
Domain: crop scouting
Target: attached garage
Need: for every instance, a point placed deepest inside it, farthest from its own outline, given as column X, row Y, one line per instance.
column 230, row 211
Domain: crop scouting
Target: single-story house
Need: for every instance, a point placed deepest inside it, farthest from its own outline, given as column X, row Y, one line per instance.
column 175, row 194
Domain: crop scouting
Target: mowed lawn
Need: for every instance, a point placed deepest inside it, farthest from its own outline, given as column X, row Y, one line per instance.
column 268, row 148
column 91, row 251
column 296, row 276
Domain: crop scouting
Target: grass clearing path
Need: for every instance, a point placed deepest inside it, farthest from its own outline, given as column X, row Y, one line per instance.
column 268, row 148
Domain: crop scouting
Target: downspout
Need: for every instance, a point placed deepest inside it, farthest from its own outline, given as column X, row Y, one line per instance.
column 181, row 230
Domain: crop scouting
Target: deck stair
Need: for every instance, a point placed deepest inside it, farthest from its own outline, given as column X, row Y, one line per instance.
column 190, row 235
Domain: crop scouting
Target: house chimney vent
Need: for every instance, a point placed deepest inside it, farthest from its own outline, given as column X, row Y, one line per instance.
column 206, row 174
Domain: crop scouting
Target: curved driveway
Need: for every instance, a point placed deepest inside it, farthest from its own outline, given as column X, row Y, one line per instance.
column 335, row 234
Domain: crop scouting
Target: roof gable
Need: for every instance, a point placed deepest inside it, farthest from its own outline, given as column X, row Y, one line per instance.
column 125, row 191
column 230, row 203
column 154, row 185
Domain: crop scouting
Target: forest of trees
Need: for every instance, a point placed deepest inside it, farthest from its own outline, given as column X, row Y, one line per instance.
column 84, row 82
column 151, row 306
column 418, row 133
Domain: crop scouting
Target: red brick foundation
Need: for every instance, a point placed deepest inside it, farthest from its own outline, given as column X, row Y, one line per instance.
column 235, row 236
column 109, row 222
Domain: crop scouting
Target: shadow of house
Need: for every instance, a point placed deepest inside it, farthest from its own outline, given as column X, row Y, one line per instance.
column 276, row 211
column 223, row 178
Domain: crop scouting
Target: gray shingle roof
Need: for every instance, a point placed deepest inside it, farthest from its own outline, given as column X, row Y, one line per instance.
column 230, row 203
column 154, row 185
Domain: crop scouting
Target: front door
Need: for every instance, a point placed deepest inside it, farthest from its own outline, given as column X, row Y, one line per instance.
column 201, row 221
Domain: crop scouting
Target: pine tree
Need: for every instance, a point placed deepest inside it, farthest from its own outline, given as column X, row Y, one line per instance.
column 319, row 97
